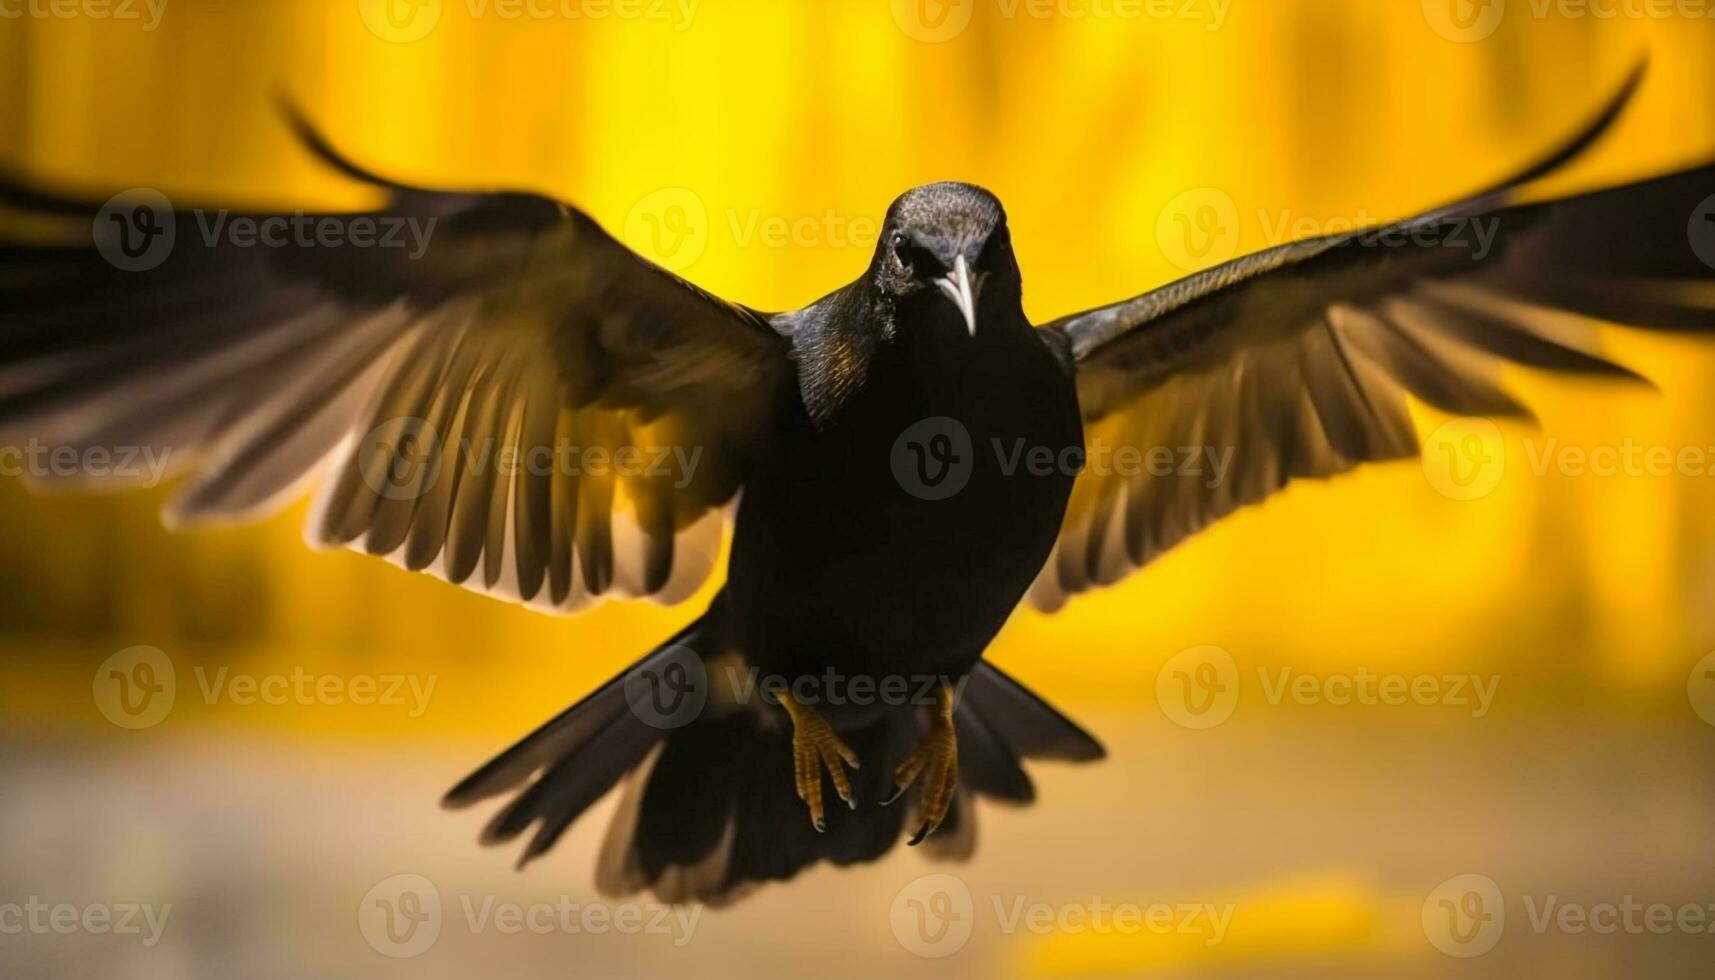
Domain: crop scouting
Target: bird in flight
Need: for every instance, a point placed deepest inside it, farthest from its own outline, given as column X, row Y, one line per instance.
column 898, row 464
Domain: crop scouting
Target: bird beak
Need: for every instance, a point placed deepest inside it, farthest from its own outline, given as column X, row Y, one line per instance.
column 962, row 291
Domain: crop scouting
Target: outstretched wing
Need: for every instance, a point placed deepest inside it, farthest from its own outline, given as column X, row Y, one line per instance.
column 508, row 397
column 1293, row 362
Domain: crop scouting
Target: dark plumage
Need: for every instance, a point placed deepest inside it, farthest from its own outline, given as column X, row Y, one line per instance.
column 524, row 326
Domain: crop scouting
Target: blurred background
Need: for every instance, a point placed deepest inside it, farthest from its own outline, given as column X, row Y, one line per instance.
column 754, row 147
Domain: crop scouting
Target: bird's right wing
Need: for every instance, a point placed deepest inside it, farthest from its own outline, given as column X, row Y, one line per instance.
column 509, row 397
column 1294, row 362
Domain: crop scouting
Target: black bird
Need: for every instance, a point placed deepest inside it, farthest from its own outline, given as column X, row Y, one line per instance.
column 908, row 450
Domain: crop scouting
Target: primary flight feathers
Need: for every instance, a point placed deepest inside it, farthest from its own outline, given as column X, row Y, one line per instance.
column 1297, row 359
column 522, row 322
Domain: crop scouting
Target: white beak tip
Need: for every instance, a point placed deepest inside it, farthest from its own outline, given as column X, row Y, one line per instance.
column 959, row 288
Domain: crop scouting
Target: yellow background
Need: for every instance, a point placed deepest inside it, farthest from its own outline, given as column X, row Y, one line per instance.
column 1589, row 597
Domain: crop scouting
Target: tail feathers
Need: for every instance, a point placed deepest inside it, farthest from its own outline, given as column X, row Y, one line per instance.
column 713, row 813
column 571, row 786
column 1025, row 723
column 580, row 754
column 987, row 764
column 709, row 810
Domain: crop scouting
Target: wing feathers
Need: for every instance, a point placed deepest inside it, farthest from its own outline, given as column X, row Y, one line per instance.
column 1295, row 361
column 1515, row 341
column 473, row 397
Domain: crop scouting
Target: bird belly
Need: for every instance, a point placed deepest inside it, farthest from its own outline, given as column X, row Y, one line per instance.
column 896, row 545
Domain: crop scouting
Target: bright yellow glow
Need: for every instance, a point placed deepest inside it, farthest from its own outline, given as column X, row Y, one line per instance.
column 791, row 126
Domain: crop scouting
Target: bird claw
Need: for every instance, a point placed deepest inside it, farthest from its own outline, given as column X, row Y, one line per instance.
column 936, row 761
column 815, row 747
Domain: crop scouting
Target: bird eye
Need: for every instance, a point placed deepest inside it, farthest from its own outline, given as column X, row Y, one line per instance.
column 918, row 259
column 895, row 242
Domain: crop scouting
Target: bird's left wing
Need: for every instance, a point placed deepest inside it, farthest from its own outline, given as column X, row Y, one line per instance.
column 1293, row 363
column 508, row 397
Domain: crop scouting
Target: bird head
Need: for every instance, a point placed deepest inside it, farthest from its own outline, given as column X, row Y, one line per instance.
column 945, row 241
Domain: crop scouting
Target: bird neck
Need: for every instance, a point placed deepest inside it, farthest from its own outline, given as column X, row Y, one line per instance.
column 865, row 337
